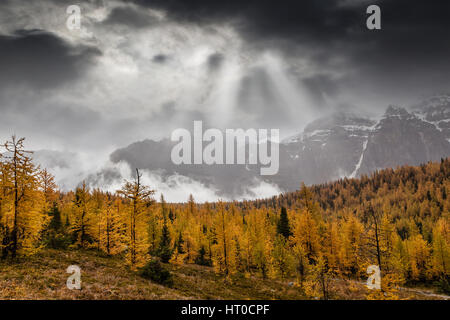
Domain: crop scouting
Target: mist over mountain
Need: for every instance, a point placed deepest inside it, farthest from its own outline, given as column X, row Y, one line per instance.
column 339, row 145
column 329, row 148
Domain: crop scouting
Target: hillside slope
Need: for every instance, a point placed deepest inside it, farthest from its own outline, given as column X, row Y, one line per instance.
column 44, row 277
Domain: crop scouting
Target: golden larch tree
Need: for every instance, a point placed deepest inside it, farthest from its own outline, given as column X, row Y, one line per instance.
column 22, row 218
column 139, row 199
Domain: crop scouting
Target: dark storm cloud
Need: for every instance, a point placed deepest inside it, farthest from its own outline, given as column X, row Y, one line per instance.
column 160, row 58
column 97, row 3
column 215, row 61
column 411, row 51
column 320, row 85
column 265, row 19
column 130, row 17
column 41, row 59
column 313, row 20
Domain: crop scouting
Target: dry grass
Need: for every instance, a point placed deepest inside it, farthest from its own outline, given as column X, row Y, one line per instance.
column 44, row 276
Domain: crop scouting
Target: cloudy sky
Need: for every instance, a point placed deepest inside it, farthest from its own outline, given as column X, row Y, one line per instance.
column 139, row 69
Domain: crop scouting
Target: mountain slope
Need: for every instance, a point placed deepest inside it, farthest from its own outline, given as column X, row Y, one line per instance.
column 401, row 138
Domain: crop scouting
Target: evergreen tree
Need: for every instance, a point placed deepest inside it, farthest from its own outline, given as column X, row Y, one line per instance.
column 171, row 215
column 55, row 235
column 179, row 244
column 283, row 227
column 201, row 257
column 164, row 250
column 55, row 223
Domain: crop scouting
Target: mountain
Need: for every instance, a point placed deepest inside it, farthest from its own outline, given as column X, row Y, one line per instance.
column 436, row 111
column 401, row 137
column 156, row 156
column 336, row 146
column 328, row 149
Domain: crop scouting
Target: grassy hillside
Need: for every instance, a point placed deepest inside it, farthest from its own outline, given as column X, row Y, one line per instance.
column 43, row 276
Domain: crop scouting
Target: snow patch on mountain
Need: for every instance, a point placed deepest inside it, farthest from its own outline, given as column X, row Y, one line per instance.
column 358, row 165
